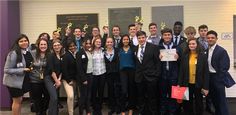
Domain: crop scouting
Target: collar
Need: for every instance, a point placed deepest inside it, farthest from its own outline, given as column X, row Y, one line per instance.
column 176, row 36
column 212, row 47
column 24, row 51
column 144, row 45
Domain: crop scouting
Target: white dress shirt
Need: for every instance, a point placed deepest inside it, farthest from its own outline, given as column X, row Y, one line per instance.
column 135, row 40
column 210, row 52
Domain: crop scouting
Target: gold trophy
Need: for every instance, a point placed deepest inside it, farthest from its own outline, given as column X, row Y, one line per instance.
column 85, row 27
column 69, row 25
column 163, row 25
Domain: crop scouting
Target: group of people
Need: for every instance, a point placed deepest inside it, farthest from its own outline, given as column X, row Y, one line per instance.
column 138, row 80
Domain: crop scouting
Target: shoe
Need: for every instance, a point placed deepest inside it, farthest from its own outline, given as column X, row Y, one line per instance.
column 59, row 105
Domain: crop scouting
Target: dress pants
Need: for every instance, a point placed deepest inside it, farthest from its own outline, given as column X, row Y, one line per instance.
column 193, row 106
column 218, row 96
column 70, row 96
column 85, row 95
column 147, row 101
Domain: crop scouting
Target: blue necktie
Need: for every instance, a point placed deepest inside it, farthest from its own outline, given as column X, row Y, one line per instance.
column 78, row 44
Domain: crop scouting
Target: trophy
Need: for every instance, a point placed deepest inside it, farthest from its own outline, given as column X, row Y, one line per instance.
column 138, row 23
column 69, row 25
column 58, row 30
column 85, row 27
column 163, row 25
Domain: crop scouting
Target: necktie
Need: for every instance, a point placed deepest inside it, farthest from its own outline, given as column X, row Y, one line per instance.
column 176, row 40
column 78, row 44
column 141, row 53
column 117, row 42
column 131, row 41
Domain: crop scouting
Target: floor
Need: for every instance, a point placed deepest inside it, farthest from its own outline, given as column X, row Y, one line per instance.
column 63, row 111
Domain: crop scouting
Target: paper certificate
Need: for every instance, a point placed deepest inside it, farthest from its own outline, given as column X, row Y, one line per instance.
column 168, row 54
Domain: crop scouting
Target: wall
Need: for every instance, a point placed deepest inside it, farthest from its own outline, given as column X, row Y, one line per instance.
column 40, row 16
column 10, row 29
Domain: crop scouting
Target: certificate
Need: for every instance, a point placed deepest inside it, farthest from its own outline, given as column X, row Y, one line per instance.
column 168, row 54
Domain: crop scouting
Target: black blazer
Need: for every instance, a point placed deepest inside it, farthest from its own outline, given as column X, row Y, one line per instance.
column 81, row 64
column 68, row 67
column 112, row 66
column 182, row 40
column 53, row 65
column 202, row 76
column 150, row 66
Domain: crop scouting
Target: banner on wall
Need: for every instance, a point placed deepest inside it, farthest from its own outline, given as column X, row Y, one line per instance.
column 83, row 21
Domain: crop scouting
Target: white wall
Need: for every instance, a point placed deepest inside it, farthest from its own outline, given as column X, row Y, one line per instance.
column 40, row 16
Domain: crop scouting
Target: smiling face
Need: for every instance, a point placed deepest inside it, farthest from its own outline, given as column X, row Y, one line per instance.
column 192, row 45
column 167, row 37
column 153, row 29
column 72, row 47
column 43, row 46
column 57, row 46
column 132, row 31
column 97, row 43
column 211, row 39
column 23, row 43
column 125, row 41
column 141, row 39
column 109, row 43
column 115, row 31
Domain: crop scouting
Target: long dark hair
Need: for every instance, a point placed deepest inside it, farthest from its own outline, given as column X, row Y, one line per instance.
column 15, row 47
column 38, row 50
column 121, row 41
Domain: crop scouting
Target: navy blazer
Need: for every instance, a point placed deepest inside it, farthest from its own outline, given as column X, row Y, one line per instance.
column 202, row 76
column 173, row 65
column 220, row 62
column 150, row 66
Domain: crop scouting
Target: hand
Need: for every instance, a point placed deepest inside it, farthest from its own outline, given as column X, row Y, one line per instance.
column 57, row 83
column 85, row 82
column 176, row 56
column 179, row 101
column 205, row 92
column 105, row 30
column 160, row 56
column 68, row 31
column 27, row 69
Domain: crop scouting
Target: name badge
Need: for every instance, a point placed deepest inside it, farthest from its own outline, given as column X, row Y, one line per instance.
column 83, row 56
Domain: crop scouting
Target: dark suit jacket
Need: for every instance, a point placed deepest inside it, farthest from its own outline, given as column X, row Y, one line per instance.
column 202, row 76
column 112, row 66
column 173, row 65
column 220, row 62
column 68, row 67
column 149, row 69
column 182, row 40
column 82, row 63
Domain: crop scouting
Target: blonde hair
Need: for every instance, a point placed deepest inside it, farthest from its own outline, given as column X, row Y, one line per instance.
column 190, row 29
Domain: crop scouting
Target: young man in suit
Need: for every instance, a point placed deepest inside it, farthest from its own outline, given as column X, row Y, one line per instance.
column 147, row 74
column 132, row 34
column 218, row 63
column 177, row 37
column 169, row 75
